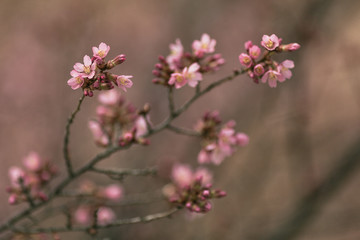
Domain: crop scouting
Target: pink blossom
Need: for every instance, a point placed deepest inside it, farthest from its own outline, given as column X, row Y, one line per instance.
column 13, row 199
column 270, row 43
column 15, row 174
column 205, row 45
column 284, row 67
column 259, row 69
column 248, row 45
column 254, row 52
column 102, row 51
column 124, row 81
column 242, row 139
column 205, row 175
column 176, row 52
column 87, row 69
column 83, row 215
column 76, row 81
column 141, row 126
column 245, row 60
column 189, row 75
column 182, row 175
column 99, row 136
column 32, row 162
column 110, row 97
column 272, row 77
column 105, row 216
column 203, row 157
column 113, row 192
column 290, row 47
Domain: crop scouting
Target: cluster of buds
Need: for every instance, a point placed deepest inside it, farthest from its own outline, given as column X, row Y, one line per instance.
column 117, row 121
column 88, row 213
column 218, row 144
column 181, row 68
column 265, row 68
column 92, row 74
column 192, row 190
column 27, row 185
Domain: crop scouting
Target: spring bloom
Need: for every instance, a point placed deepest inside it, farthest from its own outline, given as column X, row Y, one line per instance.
column 254, row 52
column 110, row 97
column 83, row 216
column 87, row 69
column 259, row 69
column 105, row 216
column 141, row 127
column 15, row 174
column 242, row 139
column 32, row 162
column 248, row 45
column 182, row 175
column 205, row 45
column 290, row 47
column 113, row 192
column 284, row 67
column 76, row 81
column 245, row 60
column 176, row 52
column 189, row 75
column 102, row 51
column 272, row 77
column 124, row 81
column 270, row 42
column 97, row 131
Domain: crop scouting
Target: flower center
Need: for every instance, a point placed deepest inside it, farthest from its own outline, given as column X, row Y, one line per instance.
column 87, row 69
column 101, row 53
column 179, row 79
column 270, row 44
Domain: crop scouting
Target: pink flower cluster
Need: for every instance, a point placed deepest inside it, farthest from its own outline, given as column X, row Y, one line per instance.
column 31, row 181
column 115, row 116
column 265, row 68
column 84, row 214
column 181, row 68
column 192, row 190
column 218, row 144
column 92, row 73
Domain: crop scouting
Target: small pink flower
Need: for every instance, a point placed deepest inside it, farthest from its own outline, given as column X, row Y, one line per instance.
column 83, row 216
column 290, row 47
column 113, row 192
column 203, row 157
column 102, row 51
column 124, row 81
column 182, row 175
column 87, row 69
column 141, row 127
column 205, row 45
column 105, row 216
column 245, row 60
column 205, row 174
column 248, row 45
column 178, row 79
column 284, row 67
column 259, row 69
column 270, row 43
column 76, row 81
column 254, row 52
column 242, row 139
column 272, row 77
column 111, row 97
column 176, row 52
column 32, row 162
column 192, row 74
column 98, row 133
column 15, row 174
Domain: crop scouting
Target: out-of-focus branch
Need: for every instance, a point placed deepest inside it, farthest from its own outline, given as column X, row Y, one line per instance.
column 67, row 135
column 183, row 131
column 311, row 204
column 121, row 173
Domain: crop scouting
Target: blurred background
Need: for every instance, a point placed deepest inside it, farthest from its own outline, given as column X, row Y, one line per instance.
column 299, row 132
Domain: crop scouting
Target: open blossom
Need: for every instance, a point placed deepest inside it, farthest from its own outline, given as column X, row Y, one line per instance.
column 176, row 52
column 259, row 69
column 32, row 162
column 245, row 60
column 205, row 45
column 110, row 97
column 284, row 67
column 270, row 42
column 113, row 192
column 87, row 69
column 124, row 81
column 15, row 174
column 98, row 133
column 272, row 77
column 76, row 81
column 101, row 51
column 189, row 75
column 105, row 216
column 254, row 51
column 182, row 175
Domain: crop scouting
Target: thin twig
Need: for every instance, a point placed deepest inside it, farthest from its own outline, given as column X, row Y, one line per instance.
column 183, row 131
column 67, row 135
column 125, row 172
column 117, row 223
column 171, row 100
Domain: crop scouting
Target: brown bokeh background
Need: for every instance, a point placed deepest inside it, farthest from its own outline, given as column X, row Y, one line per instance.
column 299, row 131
